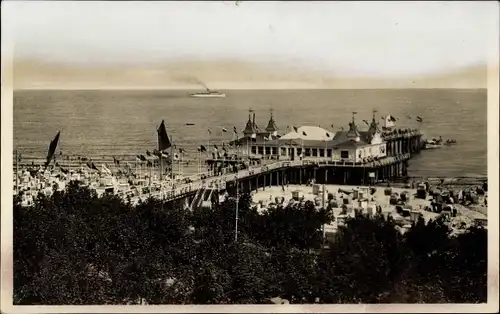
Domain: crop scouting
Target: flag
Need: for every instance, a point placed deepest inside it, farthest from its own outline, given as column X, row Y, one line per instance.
column 202, row 148
column 52, row 148
column 92, row 166
column 163, row 140
column 148, row 153
column 304, row 133
column 157, row 153
column 209, row 132
column 266, row 139
column 295, row 129
column 63, row 170
column 254, row 135
column 105, row 169
column 419, row 119
column 366, row 122
column 224, row 130
column 389, row 121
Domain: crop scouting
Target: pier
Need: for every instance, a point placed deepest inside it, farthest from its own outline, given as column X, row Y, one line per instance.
column 201, row 187
column 258, row 159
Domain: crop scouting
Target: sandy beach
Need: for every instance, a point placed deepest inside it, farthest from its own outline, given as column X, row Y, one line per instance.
column 465, row 215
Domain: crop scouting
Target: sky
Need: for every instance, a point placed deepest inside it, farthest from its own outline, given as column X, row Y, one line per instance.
column 339, row 38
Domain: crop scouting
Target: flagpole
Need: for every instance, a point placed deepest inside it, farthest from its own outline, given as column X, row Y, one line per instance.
column 172, row 161
column 302, row 153
column 208, row 143
column 237, row 146
column 324, row 208
column 160, row 165
column 17, row 173
column 150, row 174
column 237, row 208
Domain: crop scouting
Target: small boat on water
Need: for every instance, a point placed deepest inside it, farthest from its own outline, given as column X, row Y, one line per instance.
column 437, row 143
column 189, row 123
column 433, row 144
column 209, row 94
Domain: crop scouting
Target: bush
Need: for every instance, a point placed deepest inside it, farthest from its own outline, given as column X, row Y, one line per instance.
column 77, row 248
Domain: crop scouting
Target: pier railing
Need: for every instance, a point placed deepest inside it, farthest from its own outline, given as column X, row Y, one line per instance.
column 215, row 182
column 173, row 192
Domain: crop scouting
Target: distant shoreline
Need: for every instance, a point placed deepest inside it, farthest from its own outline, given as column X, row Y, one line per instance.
column 236, row 89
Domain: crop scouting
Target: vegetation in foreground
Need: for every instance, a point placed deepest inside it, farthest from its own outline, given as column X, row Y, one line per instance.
column 76, row 248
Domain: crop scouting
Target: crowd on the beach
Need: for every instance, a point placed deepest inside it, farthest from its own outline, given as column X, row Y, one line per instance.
column 31, row 180
column 456, row 204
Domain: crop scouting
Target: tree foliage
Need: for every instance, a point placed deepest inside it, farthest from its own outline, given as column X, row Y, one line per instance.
column 77, row 248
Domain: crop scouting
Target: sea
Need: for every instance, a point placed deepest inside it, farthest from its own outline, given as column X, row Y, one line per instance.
column 96, row 123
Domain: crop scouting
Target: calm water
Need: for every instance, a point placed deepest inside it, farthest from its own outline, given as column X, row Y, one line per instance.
column 96, row 123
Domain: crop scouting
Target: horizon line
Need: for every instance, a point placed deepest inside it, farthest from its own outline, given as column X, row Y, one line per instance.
column 246, row 89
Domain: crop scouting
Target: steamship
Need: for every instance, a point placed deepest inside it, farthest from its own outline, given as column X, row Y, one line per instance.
column 209, row 94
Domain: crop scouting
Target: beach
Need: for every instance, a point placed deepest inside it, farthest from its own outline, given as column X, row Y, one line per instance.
column 268, row 196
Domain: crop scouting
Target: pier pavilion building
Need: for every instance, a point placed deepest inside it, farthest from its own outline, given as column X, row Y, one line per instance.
column 351, row 156
column 314, row 143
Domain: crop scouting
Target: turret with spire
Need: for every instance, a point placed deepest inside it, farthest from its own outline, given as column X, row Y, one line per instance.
column 250, row 127
column 374, row 125
column 353, row 133
column 272, row 128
